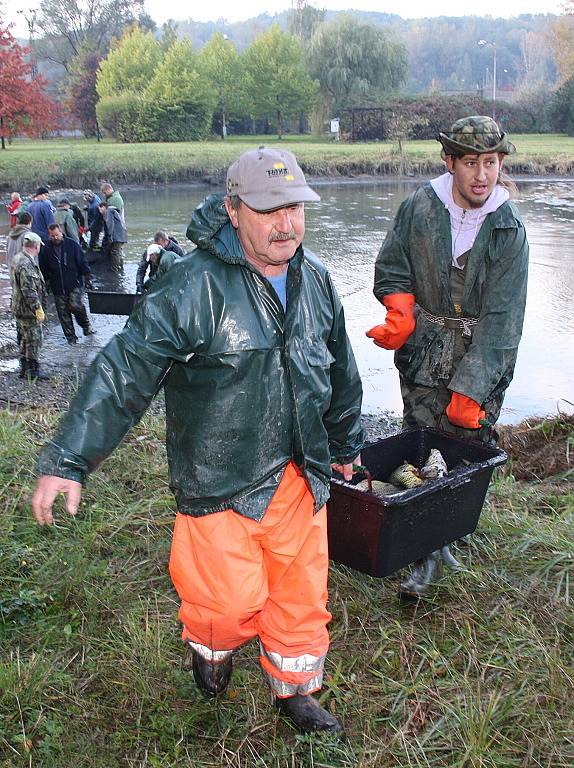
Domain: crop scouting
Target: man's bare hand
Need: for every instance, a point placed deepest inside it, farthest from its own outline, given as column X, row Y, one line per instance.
column 47, row 488
column 347, row 469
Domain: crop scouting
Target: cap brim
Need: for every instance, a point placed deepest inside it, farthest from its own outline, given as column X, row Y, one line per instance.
column 271, row 201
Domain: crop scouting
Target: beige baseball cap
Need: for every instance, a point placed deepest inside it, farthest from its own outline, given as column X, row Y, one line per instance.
column 266, row 179
column 32, row 237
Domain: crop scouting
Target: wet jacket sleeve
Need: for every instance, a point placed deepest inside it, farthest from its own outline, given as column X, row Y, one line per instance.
column 83, row 266
column 393, row 273
column 140, row 274
column 343, row 419
column 43, row 264
column 117, row 389
column 175, row 247
column 489, row 361
column 72, row 230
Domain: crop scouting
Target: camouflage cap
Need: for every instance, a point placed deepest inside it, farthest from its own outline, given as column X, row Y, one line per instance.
column 473, row 135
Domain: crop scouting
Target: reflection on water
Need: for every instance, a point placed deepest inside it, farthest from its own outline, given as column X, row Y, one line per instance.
column 346, row 229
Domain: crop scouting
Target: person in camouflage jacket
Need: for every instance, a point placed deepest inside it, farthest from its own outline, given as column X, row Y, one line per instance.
column 28, row 305
column 452, row 274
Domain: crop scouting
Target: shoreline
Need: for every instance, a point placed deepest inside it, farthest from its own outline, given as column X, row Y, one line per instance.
column 82, row 163
column 320, row 181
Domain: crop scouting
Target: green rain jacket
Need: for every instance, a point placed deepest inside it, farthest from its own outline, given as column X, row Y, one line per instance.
column 248, row 387
column 416, row 258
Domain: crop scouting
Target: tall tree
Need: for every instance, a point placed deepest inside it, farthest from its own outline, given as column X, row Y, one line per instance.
column 67, row 27
column 178, row 87
column 24, row 108
column 561, row 40
column 354, row 61
column 219, row 63
column 168, row 34
column 304, row 20
column 130, row 65
column 81, row 94
column 276, row 77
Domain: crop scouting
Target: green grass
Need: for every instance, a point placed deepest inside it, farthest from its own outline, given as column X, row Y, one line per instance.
column 481, row 675
column 78, row 163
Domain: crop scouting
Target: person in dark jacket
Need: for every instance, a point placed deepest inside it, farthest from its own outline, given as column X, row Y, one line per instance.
column 116, row 235
column 246, row 335
column 452, row 274
column 152, row 257
column 80, row 220
column 95, row 220
column 43, row 212
column 66, row 273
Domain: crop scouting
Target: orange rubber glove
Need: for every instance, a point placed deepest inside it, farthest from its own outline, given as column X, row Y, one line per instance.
column 399, row 323
column 463, row 411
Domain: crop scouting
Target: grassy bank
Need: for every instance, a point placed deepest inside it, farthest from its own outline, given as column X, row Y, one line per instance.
column 90, row 665
column 82, row 163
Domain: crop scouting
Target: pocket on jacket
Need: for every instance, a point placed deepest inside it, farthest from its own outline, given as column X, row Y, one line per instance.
column 317, row 353
column 414, row 359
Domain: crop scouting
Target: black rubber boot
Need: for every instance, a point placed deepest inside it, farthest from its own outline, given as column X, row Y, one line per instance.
column 308, row 715
column 212, row 678
column 422, row 575
column 449, row 559
column 34, row 373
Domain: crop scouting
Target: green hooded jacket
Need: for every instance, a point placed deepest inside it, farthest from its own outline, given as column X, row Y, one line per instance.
column 416, row 258
column 248, row 387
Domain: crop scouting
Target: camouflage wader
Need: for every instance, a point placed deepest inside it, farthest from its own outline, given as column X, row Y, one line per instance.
column 72, row 304
column 29, row 335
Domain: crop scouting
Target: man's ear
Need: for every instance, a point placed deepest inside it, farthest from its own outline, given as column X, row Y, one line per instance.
column 449, row 161
column 231, row 212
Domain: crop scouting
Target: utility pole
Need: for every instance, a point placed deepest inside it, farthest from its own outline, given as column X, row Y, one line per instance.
column 485, row 44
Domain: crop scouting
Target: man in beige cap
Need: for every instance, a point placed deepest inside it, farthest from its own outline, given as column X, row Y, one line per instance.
column 452, row 275
column 247, row 337
column 28, row 305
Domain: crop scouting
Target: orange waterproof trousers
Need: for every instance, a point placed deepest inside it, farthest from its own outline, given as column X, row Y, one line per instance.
column 238, row 578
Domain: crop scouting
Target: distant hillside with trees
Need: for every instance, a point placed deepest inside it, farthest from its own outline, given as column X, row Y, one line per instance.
column 386, row 77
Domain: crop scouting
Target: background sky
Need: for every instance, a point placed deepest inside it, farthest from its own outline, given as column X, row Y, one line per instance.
column 232, row 10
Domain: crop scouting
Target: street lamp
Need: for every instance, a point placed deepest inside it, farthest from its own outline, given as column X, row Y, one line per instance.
column 485, row 44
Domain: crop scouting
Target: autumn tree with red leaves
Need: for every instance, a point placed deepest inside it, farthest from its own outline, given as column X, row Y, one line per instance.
column 24, row 107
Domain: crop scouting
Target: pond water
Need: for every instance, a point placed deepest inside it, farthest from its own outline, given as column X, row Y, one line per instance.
column 345, row 230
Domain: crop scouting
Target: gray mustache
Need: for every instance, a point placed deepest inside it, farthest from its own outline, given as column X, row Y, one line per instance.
column 279, row 236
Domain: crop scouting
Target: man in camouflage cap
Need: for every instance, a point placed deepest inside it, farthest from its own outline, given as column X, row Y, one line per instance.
column 452, row 274
column 477, row 133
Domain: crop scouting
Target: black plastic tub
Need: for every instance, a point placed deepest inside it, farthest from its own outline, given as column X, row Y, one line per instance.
column 109, row 303
column 379, row 535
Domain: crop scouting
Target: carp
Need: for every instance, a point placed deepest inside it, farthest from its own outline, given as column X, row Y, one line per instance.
column 435, row 466
column 406, row 476
column 378, row 488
